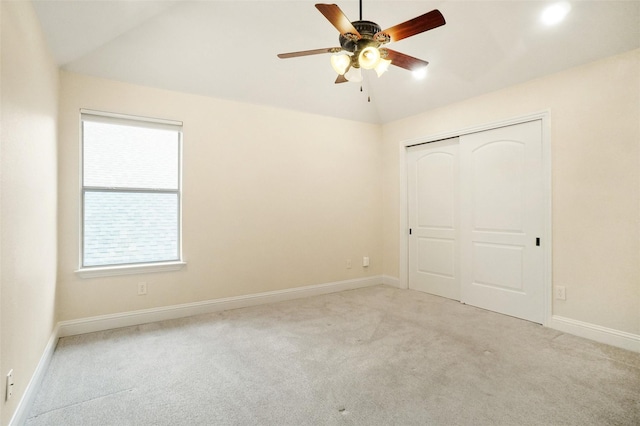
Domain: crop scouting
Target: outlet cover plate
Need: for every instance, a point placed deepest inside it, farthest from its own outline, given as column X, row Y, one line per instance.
column 142, row 289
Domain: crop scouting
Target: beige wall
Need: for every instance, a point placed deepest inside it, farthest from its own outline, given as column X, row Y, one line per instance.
column 28, row 197
column 273, row 199
column 595, row 143
column 276, row 199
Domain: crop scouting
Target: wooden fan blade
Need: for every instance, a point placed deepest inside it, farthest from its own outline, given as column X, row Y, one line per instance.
column 309, row 52
column 405, row 61
column 341, row 79
column 422, row 23
column 338, row 19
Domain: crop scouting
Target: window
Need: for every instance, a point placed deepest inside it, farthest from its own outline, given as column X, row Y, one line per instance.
column 131, row 191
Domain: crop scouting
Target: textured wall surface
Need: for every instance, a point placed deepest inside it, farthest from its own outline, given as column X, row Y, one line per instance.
column 28, row 197
column 595, row 149
column 272, row 199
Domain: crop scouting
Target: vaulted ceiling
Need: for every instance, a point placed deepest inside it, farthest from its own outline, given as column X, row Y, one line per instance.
column 227, row 49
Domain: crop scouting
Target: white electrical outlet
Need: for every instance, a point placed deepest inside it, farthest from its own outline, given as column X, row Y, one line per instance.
column 365, row 261
column 348, row 263
column 9, row 393
column 560, row 292
column 142, row 289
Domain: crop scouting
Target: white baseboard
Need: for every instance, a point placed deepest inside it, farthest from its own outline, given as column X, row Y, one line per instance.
column 22, row 410
column 107, row 322
column 126, row 319
column 391, row 281
column 598, row 333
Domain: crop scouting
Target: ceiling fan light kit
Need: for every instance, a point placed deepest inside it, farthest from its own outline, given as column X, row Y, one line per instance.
column 354, row 75
column 341, row 63
column 382, row 67
column 363, row 39
column 369, row 57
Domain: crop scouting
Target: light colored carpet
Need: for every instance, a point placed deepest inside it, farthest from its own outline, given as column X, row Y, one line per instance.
column 373, row 356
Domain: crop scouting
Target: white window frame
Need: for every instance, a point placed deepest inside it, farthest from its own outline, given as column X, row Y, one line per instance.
column 130, row 268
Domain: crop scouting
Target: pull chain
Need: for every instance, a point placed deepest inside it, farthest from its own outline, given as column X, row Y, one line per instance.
column 368, row 96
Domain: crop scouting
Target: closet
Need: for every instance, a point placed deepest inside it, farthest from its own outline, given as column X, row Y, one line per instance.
column 476, row 219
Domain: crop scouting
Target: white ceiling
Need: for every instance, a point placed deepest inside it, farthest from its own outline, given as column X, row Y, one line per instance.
column 227, row 49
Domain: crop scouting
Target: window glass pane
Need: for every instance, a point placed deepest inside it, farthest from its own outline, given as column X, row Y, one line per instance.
column 130, row 227
column 120, row 156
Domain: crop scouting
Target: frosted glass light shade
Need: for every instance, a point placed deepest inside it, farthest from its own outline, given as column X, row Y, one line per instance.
column 354, row 74
column 383, row 66
column 369, row 58
column 340, row 63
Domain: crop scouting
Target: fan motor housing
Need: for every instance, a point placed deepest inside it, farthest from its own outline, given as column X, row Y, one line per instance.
column 367, row 30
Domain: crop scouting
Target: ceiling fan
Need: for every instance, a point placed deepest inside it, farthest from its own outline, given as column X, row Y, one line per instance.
column 364, row 40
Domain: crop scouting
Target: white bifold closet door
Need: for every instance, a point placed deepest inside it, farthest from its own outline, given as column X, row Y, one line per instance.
column 483, row 239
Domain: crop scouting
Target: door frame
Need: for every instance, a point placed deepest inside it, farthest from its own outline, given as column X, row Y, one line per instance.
column 547, row 243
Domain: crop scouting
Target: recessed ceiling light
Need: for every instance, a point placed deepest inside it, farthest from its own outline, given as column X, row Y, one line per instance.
column 555, row 13
column 419, row 73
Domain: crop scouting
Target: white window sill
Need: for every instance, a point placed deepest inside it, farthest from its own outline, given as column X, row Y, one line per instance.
column 146, row 268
